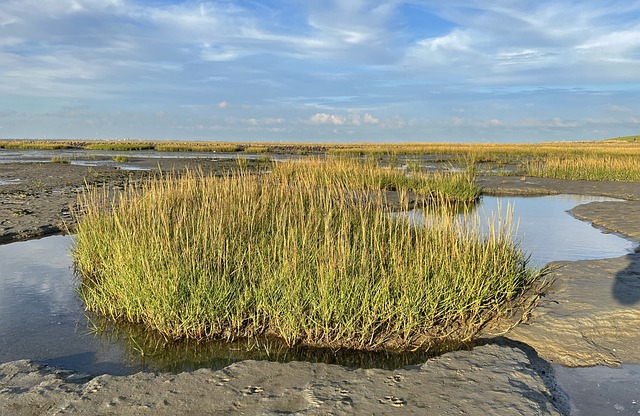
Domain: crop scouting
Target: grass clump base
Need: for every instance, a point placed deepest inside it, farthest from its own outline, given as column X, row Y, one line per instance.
column 309, row 253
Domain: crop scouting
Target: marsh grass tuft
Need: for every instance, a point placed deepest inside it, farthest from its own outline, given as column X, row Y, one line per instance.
column 585, row 167
column 120, row 158
column 309, row 253
column 60, row 159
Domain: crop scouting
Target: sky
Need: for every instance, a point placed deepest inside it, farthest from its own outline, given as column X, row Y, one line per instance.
column 320, row 71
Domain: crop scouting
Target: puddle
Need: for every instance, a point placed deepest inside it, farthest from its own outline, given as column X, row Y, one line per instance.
column 601, row 390
column 547, row 230
column 9, row 181
column 42, row 318
column 131, row 167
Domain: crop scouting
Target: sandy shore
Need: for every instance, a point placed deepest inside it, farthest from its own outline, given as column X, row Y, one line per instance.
column 589, row 315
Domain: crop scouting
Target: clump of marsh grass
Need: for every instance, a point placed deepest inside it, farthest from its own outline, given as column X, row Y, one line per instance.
column 60, row 159
column 120, row 158
column 586, row 167
column 308, row 253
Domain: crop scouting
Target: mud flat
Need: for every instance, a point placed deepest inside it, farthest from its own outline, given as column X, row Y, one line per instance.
column 35, row 197
column 589, row 315
column 490, row 380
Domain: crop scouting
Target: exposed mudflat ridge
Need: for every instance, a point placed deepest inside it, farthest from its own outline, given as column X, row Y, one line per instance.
column 490, row 380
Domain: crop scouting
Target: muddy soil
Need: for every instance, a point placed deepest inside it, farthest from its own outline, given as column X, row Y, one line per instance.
column 36, row 198
column 589, row 315
column 490, row 380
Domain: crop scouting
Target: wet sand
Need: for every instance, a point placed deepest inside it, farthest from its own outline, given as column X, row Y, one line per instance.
column 589, row 315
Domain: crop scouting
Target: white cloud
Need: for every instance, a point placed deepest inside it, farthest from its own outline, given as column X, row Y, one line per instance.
column 353, row 119
column 324, row 118
column 369, row 119
column 554, row 122
column 615, row 42
column 618, row 108
column 256, row 121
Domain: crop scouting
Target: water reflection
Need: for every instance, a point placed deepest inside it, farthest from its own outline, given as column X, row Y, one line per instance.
column 152, row 352
column 546, row 228
column 42, row 318
column 550, row 233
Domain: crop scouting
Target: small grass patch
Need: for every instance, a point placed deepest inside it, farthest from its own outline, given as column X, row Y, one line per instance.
column 120, row 159
column 309, row 253
column 256, row 149
column 125, row 146
column 60, row 159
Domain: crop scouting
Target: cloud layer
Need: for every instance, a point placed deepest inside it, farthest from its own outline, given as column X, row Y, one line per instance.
column 317, row 70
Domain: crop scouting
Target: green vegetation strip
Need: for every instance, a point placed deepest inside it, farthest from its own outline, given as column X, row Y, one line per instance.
column 309, row 253
column 601, row 168
column 613, row 159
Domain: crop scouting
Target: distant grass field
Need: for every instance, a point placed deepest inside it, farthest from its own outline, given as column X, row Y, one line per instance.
column 613, row 159
column 309, row 253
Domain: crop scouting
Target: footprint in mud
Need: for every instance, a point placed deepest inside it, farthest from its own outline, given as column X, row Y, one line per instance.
column 394, row 379
column 253, row 390
column 393, row 401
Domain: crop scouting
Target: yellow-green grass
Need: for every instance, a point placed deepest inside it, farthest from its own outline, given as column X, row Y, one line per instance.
column 119, row 145
column 34, row 144
column 309, row 253
column 120, row 158
column 60, row 159
column 581, row 160
column 602, row 168
column 256, row 149
column 198, row 147
column 630, row 139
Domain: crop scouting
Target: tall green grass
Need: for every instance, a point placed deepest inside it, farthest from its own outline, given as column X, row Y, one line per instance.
column 600, row 168
column 309, row 253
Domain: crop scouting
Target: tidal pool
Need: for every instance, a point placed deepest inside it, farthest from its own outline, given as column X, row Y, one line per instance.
column 549, row 233
column 42, row 318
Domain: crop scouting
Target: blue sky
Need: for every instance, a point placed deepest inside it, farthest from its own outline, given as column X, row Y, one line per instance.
column 323, row 71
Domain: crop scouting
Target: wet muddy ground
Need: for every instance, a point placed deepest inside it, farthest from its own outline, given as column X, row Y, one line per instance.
column 589, row 315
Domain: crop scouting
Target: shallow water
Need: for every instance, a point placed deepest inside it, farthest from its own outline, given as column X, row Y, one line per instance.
column 42, row 318
column 545, row 228
column 549, row 233
column 105, row 157
column 601, row 390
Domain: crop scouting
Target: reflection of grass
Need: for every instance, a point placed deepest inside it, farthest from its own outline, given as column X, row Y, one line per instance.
column 156, row 353
column 308, row 253
column 120, row 159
